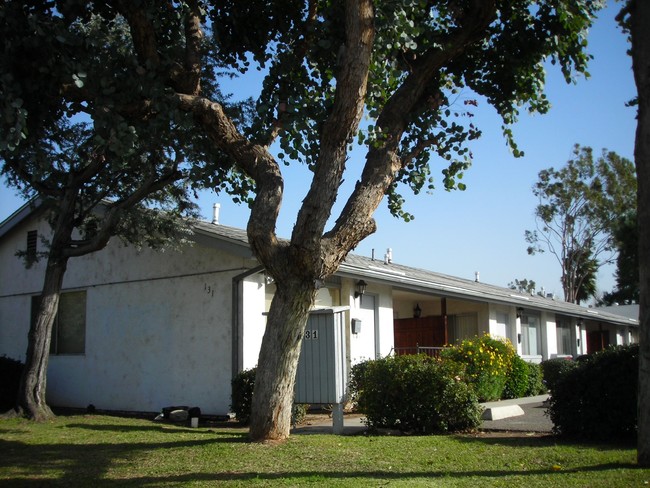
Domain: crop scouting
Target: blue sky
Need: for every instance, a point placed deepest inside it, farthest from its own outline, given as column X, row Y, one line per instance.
column 482, row 228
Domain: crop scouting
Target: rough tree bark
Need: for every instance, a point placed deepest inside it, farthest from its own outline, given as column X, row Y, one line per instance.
column 640, row 33
column 30, row 400
column 278, row 362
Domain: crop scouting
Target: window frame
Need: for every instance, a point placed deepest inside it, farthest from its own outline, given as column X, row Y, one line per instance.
column 60, row 342
column 525, row 335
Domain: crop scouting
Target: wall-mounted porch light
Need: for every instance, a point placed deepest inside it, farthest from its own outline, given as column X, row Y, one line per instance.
column 361, row 288
column 520, row 312
column 417, row 311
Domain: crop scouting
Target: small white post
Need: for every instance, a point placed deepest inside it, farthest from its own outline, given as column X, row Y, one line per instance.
column 337, row 418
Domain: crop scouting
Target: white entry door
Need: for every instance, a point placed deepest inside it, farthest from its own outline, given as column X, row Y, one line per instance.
column 365, row 344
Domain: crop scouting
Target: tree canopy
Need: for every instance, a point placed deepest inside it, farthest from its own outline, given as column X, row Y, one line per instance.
column 579, row 207
column 626, row 238
column 147, row 76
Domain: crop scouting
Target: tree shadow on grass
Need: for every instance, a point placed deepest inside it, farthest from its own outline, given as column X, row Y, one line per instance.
column 77, row 464
column 164, row 428
column 83, row 464
column 75, row 478
column 524, row 439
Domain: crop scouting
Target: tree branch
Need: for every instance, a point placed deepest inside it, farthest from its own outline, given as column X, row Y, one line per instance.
column 187, row 78
column 340, row 126
column 142, row 33
column 255, row 160
column 149, row 186
column 382, row 161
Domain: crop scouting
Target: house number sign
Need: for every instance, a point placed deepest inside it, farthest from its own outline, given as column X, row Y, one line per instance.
column 208, row 289
column 311, row 335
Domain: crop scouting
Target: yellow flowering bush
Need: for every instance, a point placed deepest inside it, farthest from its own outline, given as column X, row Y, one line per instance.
column 487, row 361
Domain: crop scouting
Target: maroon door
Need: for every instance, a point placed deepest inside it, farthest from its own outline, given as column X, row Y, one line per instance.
column 423, row 332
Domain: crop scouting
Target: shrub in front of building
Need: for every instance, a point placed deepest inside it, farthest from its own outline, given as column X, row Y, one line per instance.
column 553, row 369
column 488, row 362
column 414, row 393
column 536, row 384
column 597, row 399
column 517, row 382
column 242, row 394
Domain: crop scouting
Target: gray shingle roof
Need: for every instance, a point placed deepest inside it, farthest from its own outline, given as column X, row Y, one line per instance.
column 396, row 275
column 438, row 284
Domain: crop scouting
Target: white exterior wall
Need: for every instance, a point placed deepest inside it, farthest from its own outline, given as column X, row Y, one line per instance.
column 549, row 335
column 582, row 335
column 253, row 318
column 386, row 339
column 507, row 331
column 17, row 285
column 158, row 326
column 376, row 338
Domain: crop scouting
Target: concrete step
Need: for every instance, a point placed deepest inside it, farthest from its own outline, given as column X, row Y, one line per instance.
column 504, row 409
column 504, row 412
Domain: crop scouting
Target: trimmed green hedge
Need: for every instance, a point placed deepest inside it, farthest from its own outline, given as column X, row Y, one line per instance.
column 535, row 380
column 597, row 399
column 414, row 393
column 554, row 369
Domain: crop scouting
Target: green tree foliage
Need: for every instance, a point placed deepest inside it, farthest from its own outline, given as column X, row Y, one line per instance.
column 522, row 286
column 579, row 206
column 587, row 268
column 90, row 133
column 149, row 78
column 626, row 238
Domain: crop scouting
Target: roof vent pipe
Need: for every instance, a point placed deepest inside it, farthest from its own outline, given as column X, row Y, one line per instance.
column 389, row 256
column 477, row 276
column 215, row 213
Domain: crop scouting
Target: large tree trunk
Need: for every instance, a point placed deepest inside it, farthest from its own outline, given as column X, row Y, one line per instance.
column 30, row 401
column 640, row 20
column 278, row 361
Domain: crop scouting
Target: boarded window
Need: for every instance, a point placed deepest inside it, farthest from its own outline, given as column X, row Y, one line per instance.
column 69, row 328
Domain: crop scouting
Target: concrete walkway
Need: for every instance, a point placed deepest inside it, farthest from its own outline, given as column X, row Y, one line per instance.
column 533, row 418
column 529, row 416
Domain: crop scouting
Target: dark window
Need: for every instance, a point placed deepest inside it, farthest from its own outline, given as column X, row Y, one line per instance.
column 564, row 342
column 69, row 329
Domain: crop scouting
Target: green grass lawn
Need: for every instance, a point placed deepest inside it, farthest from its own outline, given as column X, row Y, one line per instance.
column 96, row 450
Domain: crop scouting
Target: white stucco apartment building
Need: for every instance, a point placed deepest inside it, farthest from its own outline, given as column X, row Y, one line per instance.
column 142, row 329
